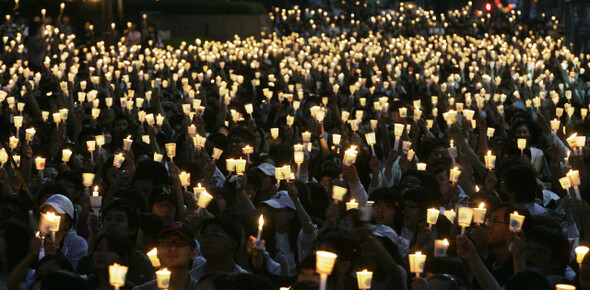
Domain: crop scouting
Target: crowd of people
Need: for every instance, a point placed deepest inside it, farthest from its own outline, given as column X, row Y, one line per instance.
column 381, row 136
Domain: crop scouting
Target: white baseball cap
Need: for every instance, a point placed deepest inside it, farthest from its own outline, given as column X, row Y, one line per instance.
column 61, row 204
column 280, row 200
column 267, row 169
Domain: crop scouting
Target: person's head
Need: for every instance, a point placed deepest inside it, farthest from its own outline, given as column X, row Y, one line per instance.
column 520, row 184
column 212, row 281
column 282, row 209
column 14, row 243
column 350, row 221
column 149, row 173
column 219, row 237
column 120, row 216
column 72, row 182
column 345, row 246
column 453, row 269
column 109, row 248
column 62, row 206
column 306, row 270
column 416, row 201
column 388, row 208
column 266, row 173
column 163, row 202
column 59, row 280
column 150, row 226
column 52, row 263
column 176, row 246
column 246, row 281
column 547, row 250
column 497, row 223
column 528, row 279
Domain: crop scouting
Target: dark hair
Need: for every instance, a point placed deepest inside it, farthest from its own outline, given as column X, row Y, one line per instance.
column 247, row 281
column 229, row 225
column 421, row 196
column 152, row 171
column 305, row 285
column 73, row 177
column 132, row 196
column 392, row 197
column 59, row 280
column 117, row 242
column 445, row 265
column 557, row 242
column 521, row 182
column 346, row 246
column 17, row 236
column 151, row 224
column 126, row 207
column 530, row 278
column 510, row 208
column 218, row 279
column 60, row 259
column 309, row 262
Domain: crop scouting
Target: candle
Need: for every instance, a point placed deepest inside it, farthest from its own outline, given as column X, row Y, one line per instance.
column 555, row 124
column 490, row 160
column 3, row 157
column 453, row 153
column 185, row 179
column 299, row 157
column 216, row 153
column 349, row 156
column 490, row 132
column 230, row 164
column 65, row 155
column 521, row 142
column 149, row 118
column 117, row 274
column 371, row 140
column 127, row 143
column 516, row 221
column 366, row 211
column 398, row 132
column 432, row 216
column 87, row 179
column 95, row 200
column 56, row 118
column 421, row 166
column 417, row 261
column 479, row 214
column 581, row 252
column 249, row 109
column 170, row 149
column 574, row 177
column 204, row 199
column 454, row 175
column 248, row 149
column 338, row 192
column 29, row 134
column 198, row 190
column 324, row 265
column 158, row 157
column 91, row 146
column 274, row 132
column 564, row 287
column 364, row 279
column 260, row 225
column 352, row 204
column 440, row 247
column 49, row 224
column 153, row 256
column 159, row 119
column 306, row 136
column 465, row 217
column 40, row 163
column 163, row 278
column 118, row 160
column 403, row 112
column 240, row 166
column 100, row 140
column 336, row 138
column 450, row 215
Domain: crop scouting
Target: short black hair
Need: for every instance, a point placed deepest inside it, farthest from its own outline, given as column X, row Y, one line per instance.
column 125, row 206
column 118, row 243
column 59, row 280
column 73, row 177
column 60, row 259
column 521, row 182
column 228, row 224
column 394, row 198
column 557, row 242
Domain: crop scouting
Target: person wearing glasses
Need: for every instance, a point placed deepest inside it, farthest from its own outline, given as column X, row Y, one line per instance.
column 177, row 249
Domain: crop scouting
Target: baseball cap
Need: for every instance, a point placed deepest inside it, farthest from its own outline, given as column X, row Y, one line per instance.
column 61, row 204
column 161, row 193
column 181, row 229
column 267, row 169
column 280, row 200
column 384, row 231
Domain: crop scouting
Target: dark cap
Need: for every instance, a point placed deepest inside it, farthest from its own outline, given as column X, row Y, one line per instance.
column 161, row 193
column 183, row 230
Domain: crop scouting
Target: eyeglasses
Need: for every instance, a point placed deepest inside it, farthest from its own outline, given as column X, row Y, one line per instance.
column 213, row 235
column 173, row 243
